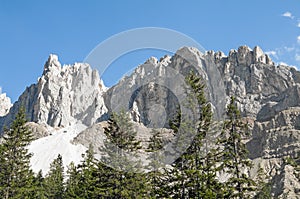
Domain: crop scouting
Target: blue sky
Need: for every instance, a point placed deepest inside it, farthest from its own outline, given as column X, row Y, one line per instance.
column 31, row 30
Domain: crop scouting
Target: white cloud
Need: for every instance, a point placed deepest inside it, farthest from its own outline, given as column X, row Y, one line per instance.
column 272, row 53
column 289, row 49
column 288, row 15
column 298, row 24
column 0, row 89
column 298, row 39
column 297, row 57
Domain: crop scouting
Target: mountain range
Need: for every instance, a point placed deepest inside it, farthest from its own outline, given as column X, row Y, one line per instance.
column 69, row 105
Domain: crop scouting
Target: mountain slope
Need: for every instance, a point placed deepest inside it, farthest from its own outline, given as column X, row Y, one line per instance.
column 68, row 102
column 62, row 95
column 5, row 104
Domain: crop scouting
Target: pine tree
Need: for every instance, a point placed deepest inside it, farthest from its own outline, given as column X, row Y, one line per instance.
column 39, row 189
column 120, row 132
column 235, row 159
column 263, row 190
column 106, row 178
column 73, row 189
column 54, row 181
column 16, row 177
column 174, row 123
column 194, row 172
column 155, row 177
column 121, row 140
column 88, row 178
column 197, row 168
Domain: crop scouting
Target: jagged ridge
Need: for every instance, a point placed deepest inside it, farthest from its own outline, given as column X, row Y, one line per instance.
column 268, row 96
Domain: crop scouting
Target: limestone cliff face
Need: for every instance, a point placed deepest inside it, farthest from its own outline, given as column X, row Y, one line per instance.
column 262, row 89
column 267, row 94
column 63, row 95
column 5, row 104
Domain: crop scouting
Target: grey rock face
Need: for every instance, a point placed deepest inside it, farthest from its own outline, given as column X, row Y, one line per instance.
column 277, row 137
column 62, row 96
column 96, row 137
column 267, row 95
column 5, row 104
column 93, row 135
column 154, row 89
column 250, row 75
column 38, row 130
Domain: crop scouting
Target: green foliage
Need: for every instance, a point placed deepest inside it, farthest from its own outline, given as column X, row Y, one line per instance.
column 235, row 159
column 291, row 161
column 155, row 177
column 194, row 173
column 294, row 162
column 174, row 123
column 73, row 184
column 39, row 189
column 90, row 179
column 16, row 177
column 54, row 180
column 263, row 187
column 120, row 132
column 126, row 177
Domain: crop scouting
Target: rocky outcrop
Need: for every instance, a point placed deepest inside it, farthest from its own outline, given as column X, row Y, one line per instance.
column 5, row 104
column 62, row 96
column 277, row 137
column 38, row 130
column 95, row 135
column 259, row 85
column 268, row 96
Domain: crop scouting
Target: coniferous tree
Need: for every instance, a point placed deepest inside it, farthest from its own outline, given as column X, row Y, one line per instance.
column 73, row 189
column 16, row 177
column 197, row 165
column 106, row 178
column 155, row 177
column 174, row 123
column 88, row 178
column 39, row 189
column 54, row 180
column 121, row 141
column 194, row 173
column 263, row 190
column 120, row 132
column 235, row 159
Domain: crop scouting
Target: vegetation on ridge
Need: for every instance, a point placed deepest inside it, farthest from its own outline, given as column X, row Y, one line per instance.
column 195, row 174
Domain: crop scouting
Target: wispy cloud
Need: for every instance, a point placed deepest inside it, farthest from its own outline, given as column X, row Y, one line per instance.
column 298, row 39
column 272, row 53
column 298, row 24
column 0, row 89
column 297, row 57
column 288, row 15
column 289, row 49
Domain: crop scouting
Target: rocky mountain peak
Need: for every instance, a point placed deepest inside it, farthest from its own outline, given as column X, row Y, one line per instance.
column 5, row 104
column 152, row 60
column 52, row 64
column 63, row 95
column 267, row 95
column 246, row 56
